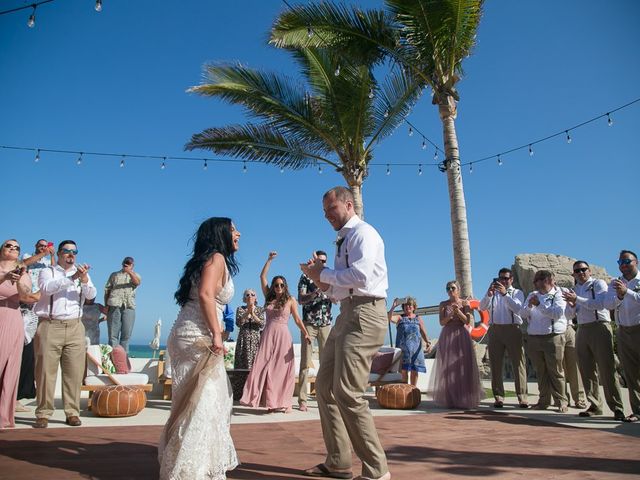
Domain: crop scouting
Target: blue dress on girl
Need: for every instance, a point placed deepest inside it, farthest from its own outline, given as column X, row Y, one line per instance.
column 408, row 340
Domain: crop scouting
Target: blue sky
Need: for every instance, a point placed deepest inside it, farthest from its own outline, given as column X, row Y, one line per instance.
column 116, row 82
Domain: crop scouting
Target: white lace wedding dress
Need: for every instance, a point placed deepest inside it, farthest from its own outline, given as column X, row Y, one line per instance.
column 196, row 442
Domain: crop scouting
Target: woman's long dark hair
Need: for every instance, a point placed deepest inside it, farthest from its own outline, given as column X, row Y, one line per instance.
column 213, row 236
column 271, row 294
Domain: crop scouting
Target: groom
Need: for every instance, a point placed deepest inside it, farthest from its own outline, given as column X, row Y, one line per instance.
column 359, row 282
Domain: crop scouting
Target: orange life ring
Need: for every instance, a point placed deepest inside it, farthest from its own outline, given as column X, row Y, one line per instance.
column 480, row 329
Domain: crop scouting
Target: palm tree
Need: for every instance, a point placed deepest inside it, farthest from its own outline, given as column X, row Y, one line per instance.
column 336, row 117
column 430, row 38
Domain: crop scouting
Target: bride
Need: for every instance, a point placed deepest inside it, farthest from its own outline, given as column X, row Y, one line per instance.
column 196, row 443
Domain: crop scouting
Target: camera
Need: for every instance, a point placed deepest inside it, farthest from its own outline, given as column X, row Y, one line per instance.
column 401, row 300
column 496, row 280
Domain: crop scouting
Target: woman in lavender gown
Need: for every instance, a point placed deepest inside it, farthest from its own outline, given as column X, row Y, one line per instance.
column 456, row 379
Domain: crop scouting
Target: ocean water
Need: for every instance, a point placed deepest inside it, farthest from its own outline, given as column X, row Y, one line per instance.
column 144, row 351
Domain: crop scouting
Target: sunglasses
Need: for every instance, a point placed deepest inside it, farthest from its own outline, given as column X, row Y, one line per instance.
column 451, row 288
column 580, row 270
column 625, row 261
column 504, row 278
column 278, row 285
column 323, row 261
column 11, row 246
column 69, row 251
column 42, row 245
column 249, row 294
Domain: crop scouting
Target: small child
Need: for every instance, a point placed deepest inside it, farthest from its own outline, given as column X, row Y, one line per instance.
column 92, row 315
column 409, row 336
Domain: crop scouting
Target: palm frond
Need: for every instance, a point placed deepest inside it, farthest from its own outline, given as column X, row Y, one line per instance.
column 259, row 143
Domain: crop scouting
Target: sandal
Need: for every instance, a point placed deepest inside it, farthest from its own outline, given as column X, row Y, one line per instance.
column 321, row 470
column 633, row 418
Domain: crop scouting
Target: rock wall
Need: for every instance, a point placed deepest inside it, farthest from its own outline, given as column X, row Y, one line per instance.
column 526, row 265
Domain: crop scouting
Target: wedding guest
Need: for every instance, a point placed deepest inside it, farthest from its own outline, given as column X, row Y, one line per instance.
column 409, row 337
column 456, row 379
column 196, row 442
column 92, row 314
column 271, row 381
column 120, row 298
column 60, row 336
column 15, row 287
column 250, row 321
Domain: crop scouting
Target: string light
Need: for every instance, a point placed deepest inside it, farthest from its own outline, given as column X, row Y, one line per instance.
column 530, row 150
column 163, row 166
column 371, row 92
column 424, row 144
column 281, row 169
column 320, row 169
column 471, row 168
column 205, row 167
column 37, row 159
column 419, row 169
column 32, row 18
column 411, row 131
column 79, row 161
column 309, row 31
column 386, row 113
column 568, row 136
column 98, row 6
column 337, row 72
column 122, row 162
column 388, row 170
column 435, row 156
column 244, row 167
column 609, row 121
column 499, row 160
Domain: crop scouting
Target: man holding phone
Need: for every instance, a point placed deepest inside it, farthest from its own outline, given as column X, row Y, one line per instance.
column 503, row 302
column 60, row 336
column 120, row 297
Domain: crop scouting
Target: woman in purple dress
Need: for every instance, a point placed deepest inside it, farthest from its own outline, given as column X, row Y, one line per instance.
column 271, row 382
column 456, row 379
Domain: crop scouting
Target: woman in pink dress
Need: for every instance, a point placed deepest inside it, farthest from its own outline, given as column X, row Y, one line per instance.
column 456, row 377
column 271, row 382
column 15, row 287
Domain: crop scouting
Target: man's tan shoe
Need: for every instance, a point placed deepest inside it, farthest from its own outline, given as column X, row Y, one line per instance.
column 21, row 408
column 41, row 423
column 73, row 421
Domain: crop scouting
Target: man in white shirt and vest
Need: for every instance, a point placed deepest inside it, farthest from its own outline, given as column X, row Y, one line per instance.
column 60, row 336
column 503, row 302
column 624, row 298
column 594, row 341
column 359, row 282
column 545, row 310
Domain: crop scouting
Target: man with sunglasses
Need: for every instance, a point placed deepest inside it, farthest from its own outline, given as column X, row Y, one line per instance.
column 60, row 338
column 624, row 298
column 594, row 341
column 503, row 302
column 316, row 315
column 359, row 282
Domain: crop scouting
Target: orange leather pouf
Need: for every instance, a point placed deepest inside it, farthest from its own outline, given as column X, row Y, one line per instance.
column 400, row 396
column 118, row 401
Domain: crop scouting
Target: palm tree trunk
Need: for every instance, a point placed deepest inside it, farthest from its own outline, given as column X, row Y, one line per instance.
column 459, row 230
column 356, row 190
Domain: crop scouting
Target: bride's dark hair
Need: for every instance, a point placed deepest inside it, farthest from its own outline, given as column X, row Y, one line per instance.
column 213, row 236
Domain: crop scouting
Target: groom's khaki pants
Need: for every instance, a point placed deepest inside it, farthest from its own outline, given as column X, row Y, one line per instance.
column 342, row 379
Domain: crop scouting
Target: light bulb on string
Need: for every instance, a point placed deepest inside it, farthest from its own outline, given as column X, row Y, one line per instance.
column 386, row 113
column 309, row 31
column 435, row 155
column 281, row 170
column 424, row 144
column 568, row 136
column 499, row 160
column 530, row 150
column 205, row 166
column 609, row 121
column 320, row 169
column 471, row 168
column 388, row 170
column 163, row 166
column 37, row 159
column 371, row 92
column 122, row 162
column 419, row 169
column 244, row 167
column 337, row 71
column 79, row 161
column 98, row 6
column 32, row 18
column 410, row 131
